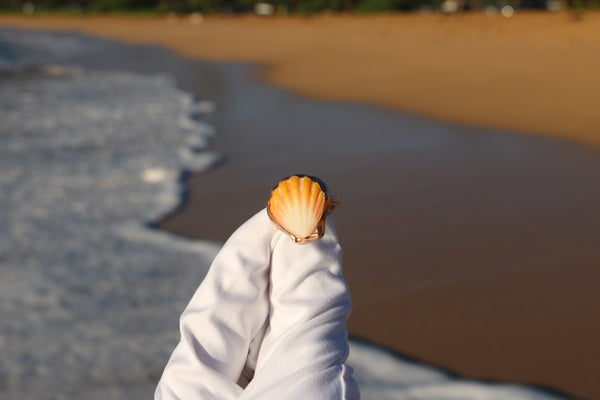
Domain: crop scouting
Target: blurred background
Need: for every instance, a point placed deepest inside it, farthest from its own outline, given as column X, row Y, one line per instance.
column 294, row 6
column 461, row 137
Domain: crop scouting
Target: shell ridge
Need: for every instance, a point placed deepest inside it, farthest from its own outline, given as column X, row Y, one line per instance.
column 281, row 204
column 297, row 199
column 315, row 199
column 310, row 210
column 315, row 203
column 295, row 196
column 304, row 192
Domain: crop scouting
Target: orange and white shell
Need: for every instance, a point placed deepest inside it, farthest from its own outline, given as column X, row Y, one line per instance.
column 297, row 205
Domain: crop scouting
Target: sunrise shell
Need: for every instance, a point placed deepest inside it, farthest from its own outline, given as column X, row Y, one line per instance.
column 297, row 205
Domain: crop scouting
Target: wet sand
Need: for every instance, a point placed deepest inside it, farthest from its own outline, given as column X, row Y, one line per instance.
column 472, row 249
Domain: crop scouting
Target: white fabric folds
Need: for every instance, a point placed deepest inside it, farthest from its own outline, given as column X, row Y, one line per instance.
column 267, row 322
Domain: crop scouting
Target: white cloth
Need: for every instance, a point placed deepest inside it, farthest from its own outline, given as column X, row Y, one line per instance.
column 267, row 322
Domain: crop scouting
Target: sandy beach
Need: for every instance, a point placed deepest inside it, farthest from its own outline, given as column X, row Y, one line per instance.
column 535, row 72
column 473, row 249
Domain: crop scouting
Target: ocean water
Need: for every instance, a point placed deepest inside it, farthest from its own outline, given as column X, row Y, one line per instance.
column 90, row 292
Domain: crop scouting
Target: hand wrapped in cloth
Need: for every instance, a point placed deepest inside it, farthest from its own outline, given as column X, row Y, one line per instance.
column 267, row 322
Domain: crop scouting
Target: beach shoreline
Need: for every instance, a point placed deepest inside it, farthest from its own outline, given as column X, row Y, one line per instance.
column 534, row 72
column 427, row 307
column 105, row 285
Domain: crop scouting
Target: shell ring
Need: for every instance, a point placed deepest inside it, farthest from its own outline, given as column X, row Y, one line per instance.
column 299, row 205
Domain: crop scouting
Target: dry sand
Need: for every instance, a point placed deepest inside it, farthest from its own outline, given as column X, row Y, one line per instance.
column 534, row 73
